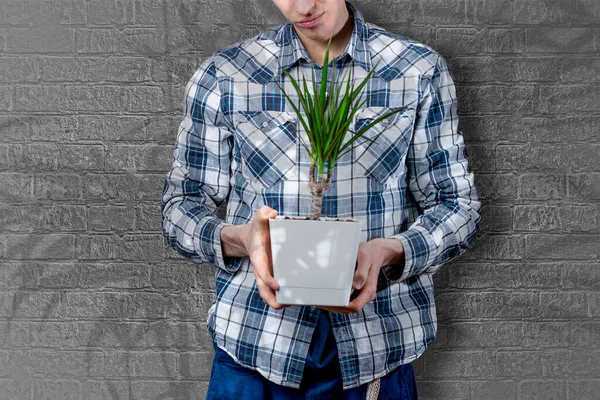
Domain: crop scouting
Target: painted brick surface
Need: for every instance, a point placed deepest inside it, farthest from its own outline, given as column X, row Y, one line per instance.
column 92, row 304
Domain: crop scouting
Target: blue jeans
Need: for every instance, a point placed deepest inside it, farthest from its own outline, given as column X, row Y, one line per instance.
column 322, row 377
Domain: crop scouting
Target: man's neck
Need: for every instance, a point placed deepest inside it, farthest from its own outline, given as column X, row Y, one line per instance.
column 316, row 49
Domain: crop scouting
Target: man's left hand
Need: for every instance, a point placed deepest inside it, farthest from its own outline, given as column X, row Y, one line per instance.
column 371, row 257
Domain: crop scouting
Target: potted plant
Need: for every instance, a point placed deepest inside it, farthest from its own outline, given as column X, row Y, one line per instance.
column 314, row 258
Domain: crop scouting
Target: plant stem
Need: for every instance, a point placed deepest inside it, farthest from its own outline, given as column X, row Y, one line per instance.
column 317, row 189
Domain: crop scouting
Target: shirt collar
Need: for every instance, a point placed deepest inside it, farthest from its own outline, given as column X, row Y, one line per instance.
column 293, row 50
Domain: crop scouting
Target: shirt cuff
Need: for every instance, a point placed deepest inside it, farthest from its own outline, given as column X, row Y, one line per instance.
column 207, row 243
column 419, row 249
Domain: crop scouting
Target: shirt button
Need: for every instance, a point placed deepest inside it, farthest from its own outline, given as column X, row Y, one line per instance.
column 265, row 124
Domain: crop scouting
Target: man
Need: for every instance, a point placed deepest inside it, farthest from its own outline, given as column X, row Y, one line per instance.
column 412, row 190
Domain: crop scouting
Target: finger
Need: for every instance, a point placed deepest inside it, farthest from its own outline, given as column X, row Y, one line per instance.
column 362, row 272
column 268, row 295
column 367, row 293
column 264, row 274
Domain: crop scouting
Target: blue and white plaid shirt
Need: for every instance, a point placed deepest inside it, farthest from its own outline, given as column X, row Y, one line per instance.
column 237, row 143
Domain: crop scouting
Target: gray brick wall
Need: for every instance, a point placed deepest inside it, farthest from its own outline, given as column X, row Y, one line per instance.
column 93, row 306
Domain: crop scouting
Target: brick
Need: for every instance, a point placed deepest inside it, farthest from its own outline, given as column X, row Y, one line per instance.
column 582, row 218
column 59, row 275
column 453, row 305
column 542, row 186
column 496, row 218
column 561, row 129
column 15, row 128
column 446, row 389
column 47, row 13
column 14, row 334
column 141, row 364
column 190, row 307
column 488, row 276
column 118, row 12
column 573, row 247
column 580, row 69
column 493, row 390
column 519, row 364
column 162, row 129
column 551, row 40
column 563, row 305
column 16, row 389
column 542, row 389
column 115, row 275
column 142, row 247
column 18, row 275
column 113, row 305
column 52, row 128
column 571, row 363
column 139, row 158
column 52, row 157
column 57, row 186
column 441, row 12
column 488, row 99
column 57, row 389
column 449, row 364
column 50, row 39
column 489, row 128
column 98, row 247
column 462, row 41
column 142, row 41
column 111, row 218
column 141, row 390
column 18, row 69
column 53, row 334
column 581, row 276
column 569, row 99
column 179, row 69
column 481, row 158
column 6, row 98
column 551, row 334
column 594, row 308
column 545, row 12
column 42, row 246
column 167, row 335
column 487, row 334
column 95, row 69
column 584, row 186
column 116, row 187
column 111, row 128
column 548, row 157
column 489, row 12
column 148, row 218
column 169, row 276
column 505, row 69
column 536, row 218
column 106, row 389
column 496, row 187
column 583, row 389
column 111, row 334
column 503, row 247
column 96, row 98
column 193, row 365
column 31, row 304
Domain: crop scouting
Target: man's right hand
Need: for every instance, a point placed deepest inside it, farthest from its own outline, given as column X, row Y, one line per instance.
column 258, row 247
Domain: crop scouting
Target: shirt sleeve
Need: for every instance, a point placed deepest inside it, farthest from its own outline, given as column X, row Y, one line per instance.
column 198, row 182
column 441, row 182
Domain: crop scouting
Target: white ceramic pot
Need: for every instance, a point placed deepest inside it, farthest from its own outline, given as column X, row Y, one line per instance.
column 314, row 260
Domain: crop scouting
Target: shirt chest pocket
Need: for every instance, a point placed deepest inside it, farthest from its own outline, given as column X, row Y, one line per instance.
column 267, row 142
column 380, row 153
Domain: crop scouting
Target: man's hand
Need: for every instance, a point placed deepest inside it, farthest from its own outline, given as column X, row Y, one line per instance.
column 372, row 256
column 257, row 242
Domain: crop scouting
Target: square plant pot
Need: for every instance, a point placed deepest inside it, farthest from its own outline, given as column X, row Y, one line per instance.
column 314, row 260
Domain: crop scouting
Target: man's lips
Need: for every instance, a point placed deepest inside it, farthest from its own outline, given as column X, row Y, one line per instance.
column 311, row 20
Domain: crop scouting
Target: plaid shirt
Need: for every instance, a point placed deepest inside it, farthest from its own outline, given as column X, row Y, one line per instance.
column 237, row 143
